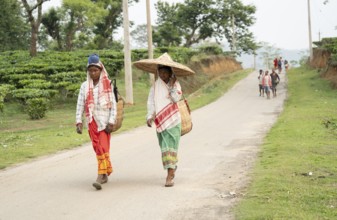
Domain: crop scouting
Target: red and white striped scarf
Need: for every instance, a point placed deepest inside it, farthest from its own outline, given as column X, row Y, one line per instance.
column 167, row 113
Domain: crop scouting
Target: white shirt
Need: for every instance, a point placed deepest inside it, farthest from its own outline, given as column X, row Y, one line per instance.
column 102, row 116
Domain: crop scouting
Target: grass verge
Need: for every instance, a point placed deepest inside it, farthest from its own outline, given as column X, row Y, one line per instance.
column 22, row 139
column 295, row 176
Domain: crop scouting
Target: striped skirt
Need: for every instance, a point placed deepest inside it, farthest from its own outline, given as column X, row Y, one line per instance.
column 169, row 143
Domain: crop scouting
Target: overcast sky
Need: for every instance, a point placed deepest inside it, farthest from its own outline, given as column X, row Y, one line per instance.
column 282, row 23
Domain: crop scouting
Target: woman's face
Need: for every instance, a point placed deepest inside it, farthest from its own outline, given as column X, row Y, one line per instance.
column 94, row 72
column 164, row 74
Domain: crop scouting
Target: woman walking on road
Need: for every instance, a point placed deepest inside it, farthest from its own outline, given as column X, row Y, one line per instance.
column 163, row 110
column 96, row 99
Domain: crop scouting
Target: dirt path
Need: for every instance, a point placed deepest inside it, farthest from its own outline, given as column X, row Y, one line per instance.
column 215, row 159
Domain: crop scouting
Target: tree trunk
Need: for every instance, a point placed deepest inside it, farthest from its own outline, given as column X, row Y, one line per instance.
column 34, row 23
column 33, row 41
column 68, row 42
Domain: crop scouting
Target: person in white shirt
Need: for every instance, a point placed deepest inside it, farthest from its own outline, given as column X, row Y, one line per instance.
column 163, row 110
column 96, row 99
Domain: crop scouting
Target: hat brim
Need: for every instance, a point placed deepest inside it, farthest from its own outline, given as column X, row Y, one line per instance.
column 151, row 66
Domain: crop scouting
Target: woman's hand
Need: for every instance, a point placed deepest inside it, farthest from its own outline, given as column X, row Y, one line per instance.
column 149, row 122
column 79, row 128
column 108, row 128
column 173, row 79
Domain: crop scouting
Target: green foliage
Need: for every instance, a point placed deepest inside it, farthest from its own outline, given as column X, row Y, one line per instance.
column 4, row 90
column 268, row 54
column 37, row 107
column 235, row 18
column 213, row 49
column 329, row 44
column 14, row 31
column 196, row 20
column 67, row 83
column 52, row 23
column 35, row 83
column 28, row 93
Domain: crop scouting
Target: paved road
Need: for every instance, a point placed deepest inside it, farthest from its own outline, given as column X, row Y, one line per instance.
column 214, row 161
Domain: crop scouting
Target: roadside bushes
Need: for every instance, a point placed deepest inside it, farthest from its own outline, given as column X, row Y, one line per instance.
column 4, row 90
column 37, row 107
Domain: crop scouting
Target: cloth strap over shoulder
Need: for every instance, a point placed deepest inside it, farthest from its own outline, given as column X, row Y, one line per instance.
column 115, row 90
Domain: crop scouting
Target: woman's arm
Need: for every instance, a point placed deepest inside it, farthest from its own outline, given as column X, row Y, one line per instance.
column 80, row 104
column 175, row 92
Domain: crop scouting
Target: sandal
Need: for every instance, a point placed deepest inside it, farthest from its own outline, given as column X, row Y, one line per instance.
column 97, row 186
column 169, row 182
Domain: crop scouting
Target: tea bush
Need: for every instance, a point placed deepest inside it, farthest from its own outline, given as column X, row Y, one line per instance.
column 37, row 107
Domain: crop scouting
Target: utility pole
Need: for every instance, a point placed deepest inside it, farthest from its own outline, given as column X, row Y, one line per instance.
column 149, row 35
column 127, row 55
column 310, row 38
column 254, row 64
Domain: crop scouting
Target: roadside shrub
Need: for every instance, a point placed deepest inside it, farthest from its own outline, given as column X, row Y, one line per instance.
column 22, row 95
column 4, row 90
column 37, row 107
column 212, row 49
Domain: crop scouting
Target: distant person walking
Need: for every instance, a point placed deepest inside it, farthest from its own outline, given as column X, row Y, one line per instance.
column 260, row 78
column 279, row 65
column 266, row 82
column 96, row 99
column 275, row 79
column 286, row 65
column 275, row 63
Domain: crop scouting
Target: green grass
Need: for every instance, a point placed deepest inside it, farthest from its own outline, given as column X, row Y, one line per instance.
column 22, row 139
column 303, row 140
column 215, row 88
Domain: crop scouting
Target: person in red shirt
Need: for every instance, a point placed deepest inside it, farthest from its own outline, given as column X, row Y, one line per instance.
column 275, row 63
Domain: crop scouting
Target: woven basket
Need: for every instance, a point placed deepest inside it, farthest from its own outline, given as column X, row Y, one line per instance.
column 120, row 114
column 185, row 113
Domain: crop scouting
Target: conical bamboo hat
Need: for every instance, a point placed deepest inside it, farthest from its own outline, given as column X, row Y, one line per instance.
column 151, row 65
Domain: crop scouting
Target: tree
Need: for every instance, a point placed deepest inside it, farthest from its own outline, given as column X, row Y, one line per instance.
column 168, row 31
column 14, row 31
column 109, row 23
column 268, row 54
column 197, row 20
column 194, row 20
column 167, row 35
column 235, row 19
column 34, row 22
column 79, row 18
column 51, row 21
column 139, row 35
